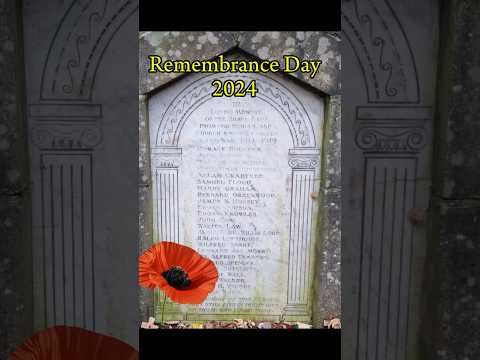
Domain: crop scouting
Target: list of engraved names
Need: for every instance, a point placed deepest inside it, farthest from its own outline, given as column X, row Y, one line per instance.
column 236, row 204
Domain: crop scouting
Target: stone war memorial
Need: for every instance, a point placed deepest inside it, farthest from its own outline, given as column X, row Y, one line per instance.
column 242, row 181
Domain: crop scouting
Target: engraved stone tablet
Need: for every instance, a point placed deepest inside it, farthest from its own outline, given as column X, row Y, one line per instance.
column 235, row 178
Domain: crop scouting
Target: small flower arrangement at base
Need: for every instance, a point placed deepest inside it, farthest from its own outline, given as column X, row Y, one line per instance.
column 235, row 324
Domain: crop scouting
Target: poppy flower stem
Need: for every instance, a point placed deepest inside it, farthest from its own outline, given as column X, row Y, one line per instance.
column 163, row 306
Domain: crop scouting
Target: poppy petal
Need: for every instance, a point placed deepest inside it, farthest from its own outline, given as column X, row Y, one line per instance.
column 64, row 342
column 165, row 255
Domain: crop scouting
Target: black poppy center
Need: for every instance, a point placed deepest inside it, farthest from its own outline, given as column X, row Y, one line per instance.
column 177, row 278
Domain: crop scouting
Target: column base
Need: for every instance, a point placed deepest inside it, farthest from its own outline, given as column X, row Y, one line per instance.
column 296, row 309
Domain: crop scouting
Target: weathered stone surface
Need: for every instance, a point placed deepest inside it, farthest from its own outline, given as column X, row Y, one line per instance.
column 328, row 271
column 176, row 45
column 144, row 202
column 12, row 144
column 12, row 295
column 307, row 45
column 15, row 251
column 458, row 316
column 453, row 324
column 460, row 112
column 333, row 144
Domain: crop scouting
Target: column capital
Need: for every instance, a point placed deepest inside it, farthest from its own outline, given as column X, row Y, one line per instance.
column 166, row 157
column 304, row 158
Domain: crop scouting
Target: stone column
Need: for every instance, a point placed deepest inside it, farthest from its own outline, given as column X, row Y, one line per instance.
column 165, row 161
column 304, row 164
column 166, row 221
column 64, row 251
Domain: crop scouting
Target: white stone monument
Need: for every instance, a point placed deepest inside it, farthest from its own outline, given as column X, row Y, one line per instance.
column 235, row 178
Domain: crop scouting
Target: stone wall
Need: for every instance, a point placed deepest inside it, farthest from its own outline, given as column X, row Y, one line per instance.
column 452, row 329
column 15, row 246
column 328, row 272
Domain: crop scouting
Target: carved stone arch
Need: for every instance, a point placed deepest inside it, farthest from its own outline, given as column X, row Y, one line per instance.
column 69, row 72
column 78, row 45
column 269, row 90
column 382, row 50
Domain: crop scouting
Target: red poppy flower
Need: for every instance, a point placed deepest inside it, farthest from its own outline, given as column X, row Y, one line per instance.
column 72, row 343
column 180, row 272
